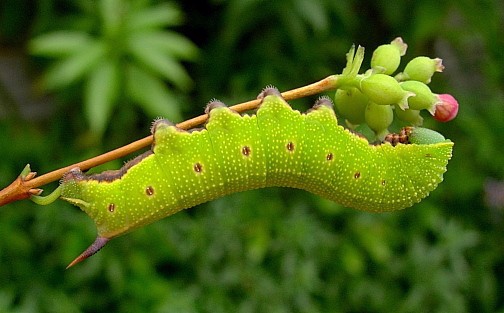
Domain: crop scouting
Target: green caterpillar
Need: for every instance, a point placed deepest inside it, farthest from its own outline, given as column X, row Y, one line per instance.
column 277, row 146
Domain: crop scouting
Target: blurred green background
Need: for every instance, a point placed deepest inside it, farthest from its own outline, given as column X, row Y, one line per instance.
column 81, row 77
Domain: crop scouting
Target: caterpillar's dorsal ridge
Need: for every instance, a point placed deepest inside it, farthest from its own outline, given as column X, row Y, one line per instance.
column 106, row 176
column 73, row 174
column 191, row 130
column 322, row 101
column 267, row 91
column 212, row 104
column 324, row 98
column 160, row 120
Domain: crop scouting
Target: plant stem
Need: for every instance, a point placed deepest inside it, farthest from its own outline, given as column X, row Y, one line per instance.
column 23, row 187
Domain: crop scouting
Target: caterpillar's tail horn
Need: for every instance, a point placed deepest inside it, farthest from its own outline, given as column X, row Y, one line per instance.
column 99, row 243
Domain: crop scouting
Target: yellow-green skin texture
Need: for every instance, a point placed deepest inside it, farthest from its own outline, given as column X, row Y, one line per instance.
column 277, row 146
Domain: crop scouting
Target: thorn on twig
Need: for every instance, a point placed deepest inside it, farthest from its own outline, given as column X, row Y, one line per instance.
column 35, row 191
column 30, row 176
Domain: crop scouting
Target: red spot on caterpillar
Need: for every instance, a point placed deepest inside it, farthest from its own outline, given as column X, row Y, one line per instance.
column 356, row 175
column 329, row 156
column 198, row 168
column 149, row 190
column 290, row 146
column 245, row 150
column 111, row 207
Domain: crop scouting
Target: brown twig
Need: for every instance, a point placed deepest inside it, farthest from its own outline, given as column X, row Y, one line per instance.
column 26, row 185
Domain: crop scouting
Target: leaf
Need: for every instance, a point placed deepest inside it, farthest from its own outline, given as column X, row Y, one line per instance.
column 168, row 42
column 152, row 94
column 112, row 12
column 160, row 63
column 101, row 93
column 155, row 17
column 74, row 67
column 59, row 43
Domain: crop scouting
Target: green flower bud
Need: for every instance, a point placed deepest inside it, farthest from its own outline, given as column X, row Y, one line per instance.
column 351, row 104
column 379, row 118
column 384, row 90
column 422, row 68
column 410, row 116
column 424, row 99
column 386, row 58
column 425, row 136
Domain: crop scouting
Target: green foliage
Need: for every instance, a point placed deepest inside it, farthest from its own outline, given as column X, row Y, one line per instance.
column 122, row 52
column 274, row 250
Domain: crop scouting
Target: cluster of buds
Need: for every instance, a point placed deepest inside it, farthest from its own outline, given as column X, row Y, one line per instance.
column 373, row 97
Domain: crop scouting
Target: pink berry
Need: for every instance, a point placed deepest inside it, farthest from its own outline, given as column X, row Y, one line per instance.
column 447, row 109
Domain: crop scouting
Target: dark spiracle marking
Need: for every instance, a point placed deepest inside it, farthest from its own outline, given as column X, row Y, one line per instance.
column 383, row 182
column 111, row 207
column 329, row 156
column 245, row 150
column 428, row 155
column 356, row 175
column 198, row 168
column 149, row 190
column 290, row 146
